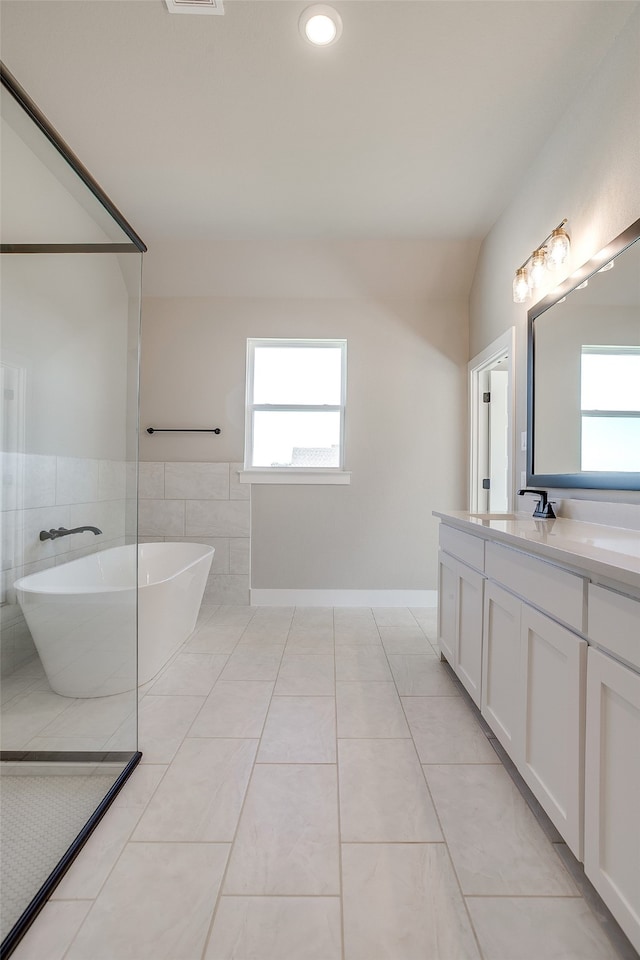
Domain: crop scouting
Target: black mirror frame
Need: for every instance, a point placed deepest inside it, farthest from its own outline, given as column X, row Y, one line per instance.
column 600, row 480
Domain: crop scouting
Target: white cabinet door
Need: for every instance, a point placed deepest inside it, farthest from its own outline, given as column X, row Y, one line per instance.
column 460, row 621
column 469, row 632
column 447, row 607
column 552, row 681
column 612, row 789
column 501, row 701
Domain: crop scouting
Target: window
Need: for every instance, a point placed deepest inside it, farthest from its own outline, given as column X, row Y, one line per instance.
column 295, row 408
column 610, row 407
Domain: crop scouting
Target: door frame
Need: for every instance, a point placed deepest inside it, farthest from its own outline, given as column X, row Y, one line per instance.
column 503, row 347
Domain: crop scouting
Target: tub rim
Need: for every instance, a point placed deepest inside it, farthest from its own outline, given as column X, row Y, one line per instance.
column 98, row 589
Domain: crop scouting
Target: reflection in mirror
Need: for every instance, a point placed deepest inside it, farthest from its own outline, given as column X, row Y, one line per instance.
column 584, row 376
column 610, row 407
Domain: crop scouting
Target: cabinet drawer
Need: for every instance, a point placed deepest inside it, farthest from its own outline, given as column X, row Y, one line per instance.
column 614, row 623
column 542, row 584
column 463, row 546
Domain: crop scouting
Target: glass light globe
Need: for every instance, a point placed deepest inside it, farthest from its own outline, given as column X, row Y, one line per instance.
column 538, row 268
column 558, row 248
column 521, row 288
column 320, row 29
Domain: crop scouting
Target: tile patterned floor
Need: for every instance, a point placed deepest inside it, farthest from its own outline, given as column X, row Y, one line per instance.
column 316, row 787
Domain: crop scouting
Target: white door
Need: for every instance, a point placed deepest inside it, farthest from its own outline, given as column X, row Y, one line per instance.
column 498, row 443
column 491, row 425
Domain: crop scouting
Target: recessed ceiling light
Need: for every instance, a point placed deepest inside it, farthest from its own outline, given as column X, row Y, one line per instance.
column 321, row 25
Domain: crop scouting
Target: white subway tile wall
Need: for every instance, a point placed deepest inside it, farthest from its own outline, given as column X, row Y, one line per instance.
column 40, row 492
column 201, row 503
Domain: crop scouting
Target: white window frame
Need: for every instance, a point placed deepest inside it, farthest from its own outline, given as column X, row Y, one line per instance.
column 327, row 475
column 604, row 413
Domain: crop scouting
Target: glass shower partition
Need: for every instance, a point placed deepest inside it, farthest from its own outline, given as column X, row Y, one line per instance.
column 70, row 308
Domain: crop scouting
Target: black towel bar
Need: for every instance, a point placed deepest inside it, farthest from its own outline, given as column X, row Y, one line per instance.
column 181, row 430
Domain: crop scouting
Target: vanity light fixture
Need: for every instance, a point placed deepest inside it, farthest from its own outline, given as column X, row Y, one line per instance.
column 538, row 267
column 549, row 255
column 321, row 25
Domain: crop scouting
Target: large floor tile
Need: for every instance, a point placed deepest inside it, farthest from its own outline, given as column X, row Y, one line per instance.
column 306, row 675
column 310, row 641
column 248, row 663
column 93, row 716
column 393, row 617
column 287, row 840
column 364, row 663
column 141, row 785
column 523, row 928
column 353, row 616
column 263, row 635
column 371, row 710
column 201, row 795
column 355, row 625
column 27, row 715
column 276, row 928
column 156, row 905
column 312, row 617
column 92, row 866
column 402, row 902
column 163, row 723
column 191, row 674
column 268, row 626
column 275, row 615
column 421, row 676
column 213, row 640
column 235, row 708
column 55, row 928
column 299, row 730
column 427, row 618
column 357, row 636
column 496, row 844
column 445, row 731
column 383, row 794
column 238, row 615
column 405, row 640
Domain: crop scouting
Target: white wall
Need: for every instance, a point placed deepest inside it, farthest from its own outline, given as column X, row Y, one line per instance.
column 589, row 172
column 402, row 308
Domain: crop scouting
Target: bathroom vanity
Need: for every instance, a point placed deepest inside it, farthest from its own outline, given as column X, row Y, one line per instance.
column 540, row 620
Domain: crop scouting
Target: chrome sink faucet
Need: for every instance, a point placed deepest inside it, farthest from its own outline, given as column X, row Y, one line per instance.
column 543, row 509
column 63, row 532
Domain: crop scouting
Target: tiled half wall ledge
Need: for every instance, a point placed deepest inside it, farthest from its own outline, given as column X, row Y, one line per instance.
column 201, row 503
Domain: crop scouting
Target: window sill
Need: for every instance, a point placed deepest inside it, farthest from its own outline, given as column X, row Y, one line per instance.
column 295, row 476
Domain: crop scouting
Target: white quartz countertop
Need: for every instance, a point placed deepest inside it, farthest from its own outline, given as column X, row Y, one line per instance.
column 608, row 552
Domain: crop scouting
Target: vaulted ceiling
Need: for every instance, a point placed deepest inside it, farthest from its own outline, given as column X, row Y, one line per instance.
column 419, row 123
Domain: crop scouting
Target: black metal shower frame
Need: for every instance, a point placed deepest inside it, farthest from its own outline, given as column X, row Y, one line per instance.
column 130, row 758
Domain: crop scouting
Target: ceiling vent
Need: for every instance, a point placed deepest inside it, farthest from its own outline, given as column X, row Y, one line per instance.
column 194, row 6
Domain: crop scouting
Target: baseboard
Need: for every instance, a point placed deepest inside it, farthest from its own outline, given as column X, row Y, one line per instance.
column 343, row 598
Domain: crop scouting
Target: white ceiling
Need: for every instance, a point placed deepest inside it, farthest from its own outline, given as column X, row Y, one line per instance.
column 419, row 123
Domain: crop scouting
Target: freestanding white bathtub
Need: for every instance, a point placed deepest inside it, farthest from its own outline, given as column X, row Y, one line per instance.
column 82, row 614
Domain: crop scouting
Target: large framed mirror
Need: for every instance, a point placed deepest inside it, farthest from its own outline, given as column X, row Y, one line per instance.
column 583, row 378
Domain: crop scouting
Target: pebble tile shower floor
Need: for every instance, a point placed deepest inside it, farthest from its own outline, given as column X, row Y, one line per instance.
column 40, row 817
column 315, row 786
